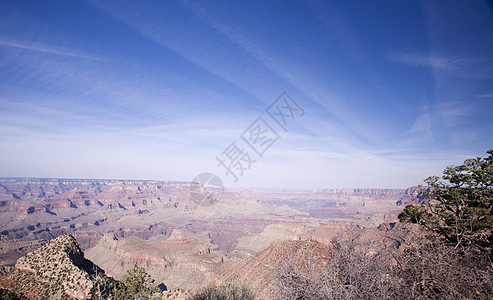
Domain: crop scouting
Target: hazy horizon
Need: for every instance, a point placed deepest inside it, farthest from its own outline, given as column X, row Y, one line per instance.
column 379, row 95
column 226, row 187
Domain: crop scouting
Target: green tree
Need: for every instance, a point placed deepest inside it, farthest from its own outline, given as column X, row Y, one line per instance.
column 137, row 284
column 459, row 206
column 104, row 287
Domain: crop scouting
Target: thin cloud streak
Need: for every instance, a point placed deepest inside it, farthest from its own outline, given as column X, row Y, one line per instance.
column 162, row 92
column 45, row 49
column 295, row 75
column 489, row 95
column 461, row 65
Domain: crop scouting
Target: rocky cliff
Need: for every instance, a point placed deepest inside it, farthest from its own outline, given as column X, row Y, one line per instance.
column 56, row 270
column 181, row 261
column 140, row 221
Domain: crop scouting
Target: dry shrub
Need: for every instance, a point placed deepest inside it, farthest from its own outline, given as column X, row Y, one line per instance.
column 431, row 269
column 424, row 268
column 224, row 292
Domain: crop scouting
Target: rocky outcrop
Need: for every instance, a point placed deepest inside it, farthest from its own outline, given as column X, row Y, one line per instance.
column 56, row 270
column 253, row 243
column 256, row 271
column 181, row 261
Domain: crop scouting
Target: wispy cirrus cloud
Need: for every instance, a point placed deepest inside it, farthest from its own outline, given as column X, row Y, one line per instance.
column 348, row 130
column 343, row 135
column 161, row 88
column 456, row 113
column 43, row 48
column 119, row 84
column 298, row 75
column 487, row 95
column 458, row 64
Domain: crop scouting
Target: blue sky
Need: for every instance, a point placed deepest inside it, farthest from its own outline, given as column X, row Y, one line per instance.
column 392, row 91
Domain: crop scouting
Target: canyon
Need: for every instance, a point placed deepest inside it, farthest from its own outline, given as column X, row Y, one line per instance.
column 185, row 235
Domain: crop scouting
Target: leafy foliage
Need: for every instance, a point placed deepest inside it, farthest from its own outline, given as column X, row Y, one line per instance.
column 459, row 206
column 136, row 284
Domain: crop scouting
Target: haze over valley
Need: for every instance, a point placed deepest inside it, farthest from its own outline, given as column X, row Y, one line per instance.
column 182, row 242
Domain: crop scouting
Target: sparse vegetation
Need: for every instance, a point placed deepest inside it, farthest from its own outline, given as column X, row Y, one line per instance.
column 8, row 295
column 426, row 268
column 177, row 294
column 442, row 249
column 104, row 287
column 224, row 292
column 452, row 260
column 137, row 284
column 348, row 273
